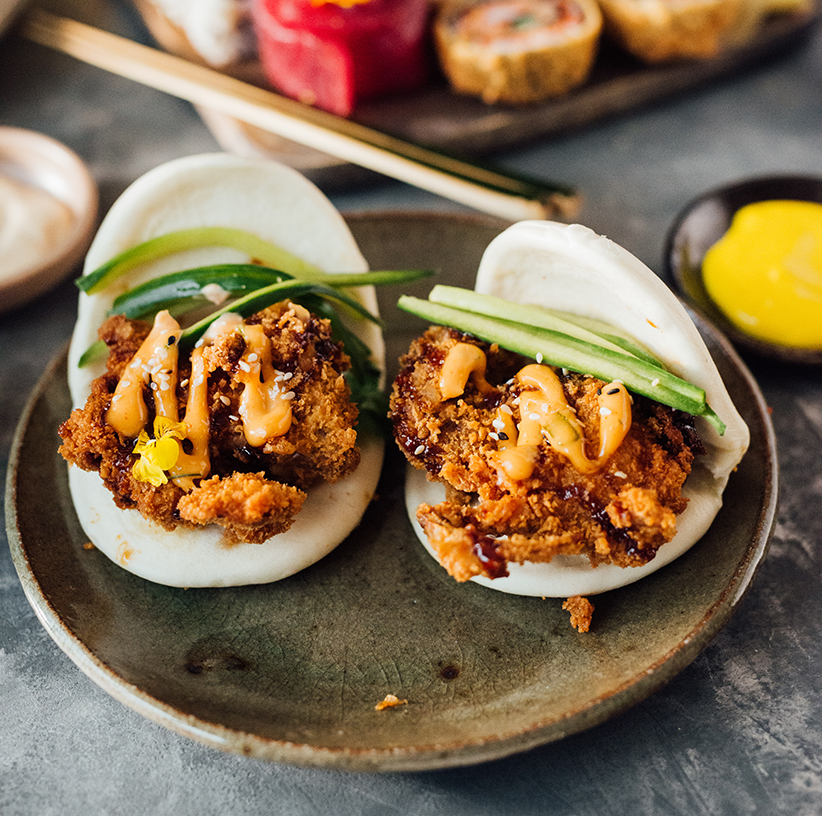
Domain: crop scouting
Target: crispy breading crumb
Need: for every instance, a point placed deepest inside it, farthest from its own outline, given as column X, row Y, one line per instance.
column 582, row 611
column 390, row 701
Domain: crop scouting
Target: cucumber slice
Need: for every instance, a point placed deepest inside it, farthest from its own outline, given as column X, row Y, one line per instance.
column 491, row 306
column 565, row 351
column 255, row 247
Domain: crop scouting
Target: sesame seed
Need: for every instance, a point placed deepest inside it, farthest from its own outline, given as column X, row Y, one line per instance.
column 498, row 424
column 505, row 408
column 494, row 436
column 420, row 449
column 565, row 372
column 125, row 383
column 252, row 358
column 225, row 400
column 164, row 386
column 655, row 382
column 198, row 381
column 288, row 375
column 539, row 357
column 115, row 398
column 289, row 395
column 234, row 417
column 184, row 383
column 154, row 386
column 620, row 474
column 245, row 366
column 605, row 411
column 503, row 436
column 612, row 391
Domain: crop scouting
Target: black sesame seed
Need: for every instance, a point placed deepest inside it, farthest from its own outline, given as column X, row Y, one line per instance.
column 613, row 391
column 172, row 340
column 503, row 436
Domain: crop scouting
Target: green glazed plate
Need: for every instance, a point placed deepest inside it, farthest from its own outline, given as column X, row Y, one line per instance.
column 292, row 671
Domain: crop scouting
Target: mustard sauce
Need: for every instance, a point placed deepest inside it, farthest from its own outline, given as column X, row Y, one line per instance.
column 765, row 273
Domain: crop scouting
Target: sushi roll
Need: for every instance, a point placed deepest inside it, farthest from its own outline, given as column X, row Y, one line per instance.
column 517, row 51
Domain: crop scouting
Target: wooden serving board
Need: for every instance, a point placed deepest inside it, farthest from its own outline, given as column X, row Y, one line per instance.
column 439, row 118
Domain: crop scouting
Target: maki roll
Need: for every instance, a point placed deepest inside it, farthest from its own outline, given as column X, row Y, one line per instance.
column 517, row 51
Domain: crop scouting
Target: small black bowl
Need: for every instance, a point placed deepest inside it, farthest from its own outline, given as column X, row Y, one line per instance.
column 701, row 224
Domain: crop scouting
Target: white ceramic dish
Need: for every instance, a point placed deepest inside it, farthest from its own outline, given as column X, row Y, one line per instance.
column 34, row 163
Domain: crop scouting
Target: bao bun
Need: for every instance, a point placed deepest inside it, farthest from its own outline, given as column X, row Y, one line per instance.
column 571, row 269
column 281, row 206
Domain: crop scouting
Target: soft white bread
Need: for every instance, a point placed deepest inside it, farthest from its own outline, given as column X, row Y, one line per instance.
column 517, row 51
column 571, row 269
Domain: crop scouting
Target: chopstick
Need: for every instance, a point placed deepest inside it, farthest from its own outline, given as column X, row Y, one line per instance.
column 478, row 187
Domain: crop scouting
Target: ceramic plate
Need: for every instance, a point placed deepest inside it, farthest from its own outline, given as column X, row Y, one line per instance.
column 292, row 671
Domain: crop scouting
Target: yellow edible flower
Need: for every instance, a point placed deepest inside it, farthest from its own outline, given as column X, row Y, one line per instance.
column 159, row 454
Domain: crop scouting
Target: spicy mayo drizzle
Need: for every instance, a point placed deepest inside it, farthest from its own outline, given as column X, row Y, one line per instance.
column 265, row 406
column 545, row 415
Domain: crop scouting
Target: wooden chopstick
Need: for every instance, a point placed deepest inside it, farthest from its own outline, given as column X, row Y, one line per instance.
column 478, row 187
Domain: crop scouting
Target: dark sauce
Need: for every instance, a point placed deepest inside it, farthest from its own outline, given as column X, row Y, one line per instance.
column 617, row 536
column 486, row 550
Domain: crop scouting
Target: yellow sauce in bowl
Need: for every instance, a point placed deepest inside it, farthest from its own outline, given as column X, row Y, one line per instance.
column 765, row 273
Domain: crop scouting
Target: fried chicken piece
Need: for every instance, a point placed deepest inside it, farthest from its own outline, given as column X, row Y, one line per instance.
column 253, row 491
column 582, row 612
column 246, row 503
column 620, row 514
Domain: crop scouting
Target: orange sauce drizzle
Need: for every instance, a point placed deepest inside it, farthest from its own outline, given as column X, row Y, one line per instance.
column 265, row 403
column 545, row 415
column 463, row 360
